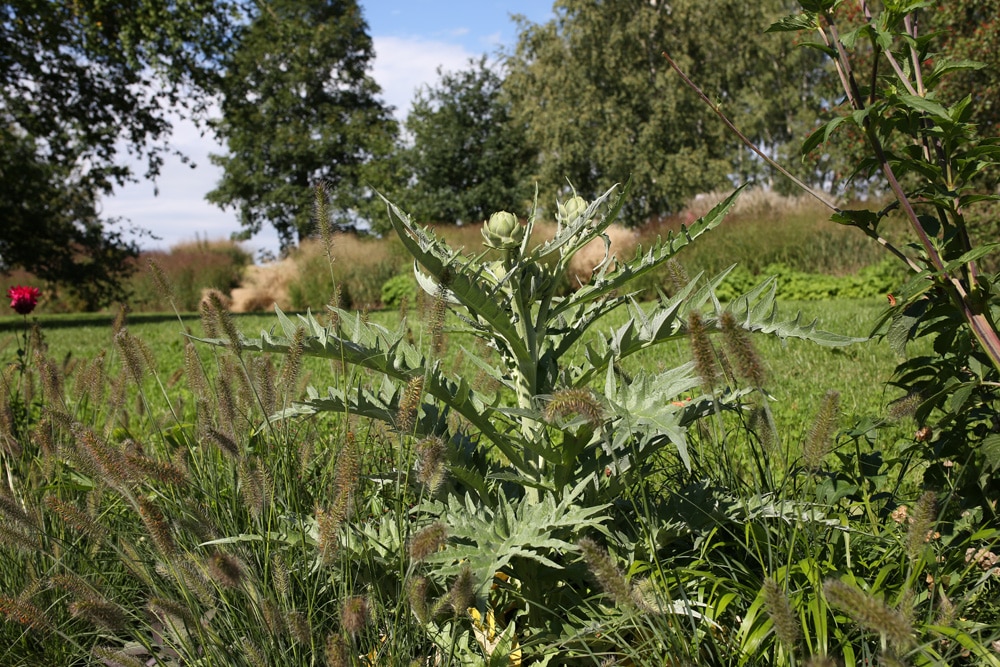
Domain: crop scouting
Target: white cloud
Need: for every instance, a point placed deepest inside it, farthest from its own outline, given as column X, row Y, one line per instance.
column 493, row 39
column 179, row 212
column 402, row 65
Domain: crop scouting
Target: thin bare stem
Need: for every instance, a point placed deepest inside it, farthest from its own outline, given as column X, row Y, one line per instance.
column 910, row 22
column 844, row 68
column 900, row 74
column 977, row 321
column 746, row 140
column 893, row 250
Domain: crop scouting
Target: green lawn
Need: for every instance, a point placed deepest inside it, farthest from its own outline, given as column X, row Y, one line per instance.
column 800, row 372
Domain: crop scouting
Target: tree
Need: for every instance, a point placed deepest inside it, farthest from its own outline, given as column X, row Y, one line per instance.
column 82, row 86
column 602, row 104
column 51, row 227
column 468, row 158
column 298, row 107
column 971, row 31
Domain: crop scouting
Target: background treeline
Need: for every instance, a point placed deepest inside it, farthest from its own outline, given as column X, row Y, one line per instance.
column 581, row 101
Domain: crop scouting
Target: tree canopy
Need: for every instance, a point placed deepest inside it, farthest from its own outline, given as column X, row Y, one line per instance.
column 468, row 158
column 602, row 105
column 88, row 88
column 299, row 107
column 83, row 87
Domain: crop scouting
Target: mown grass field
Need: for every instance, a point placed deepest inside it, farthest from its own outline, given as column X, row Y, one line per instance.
column 799, row 372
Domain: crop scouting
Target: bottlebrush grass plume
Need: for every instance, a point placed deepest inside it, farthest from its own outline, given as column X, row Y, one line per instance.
column 701, row 350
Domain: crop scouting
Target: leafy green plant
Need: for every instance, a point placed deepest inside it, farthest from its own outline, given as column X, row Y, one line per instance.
column 876, row 280
column 398, row 290
column 931, row 159
column 930, row 156
column 559, row 444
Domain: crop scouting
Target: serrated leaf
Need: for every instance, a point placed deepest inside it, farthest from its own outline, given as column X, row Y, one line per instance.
column 818, row 6
column 794, row 23
column 900, row 332
column 757, row 310
column 372, row 346
column 647, row 408
column 849, row 38
column 489, row 538
column 971, row 256
column 584, row 229
column 960, row 395
column 461, row 276
column 943, row 65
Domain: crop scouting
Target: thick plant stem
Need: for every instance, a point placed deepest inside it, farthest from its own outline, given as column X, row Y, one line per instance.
column 981, row 327
column 526, row 381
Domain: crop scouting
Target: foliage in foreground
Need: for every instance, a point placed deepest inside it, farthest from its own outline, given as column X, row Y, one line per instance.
column 206, row 532
column 217, row 535
column 559, row 510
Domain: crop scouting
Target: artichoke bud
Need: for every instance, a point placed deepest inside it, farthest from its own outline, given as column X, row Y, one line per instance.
column 502, row 231
column 571, row 209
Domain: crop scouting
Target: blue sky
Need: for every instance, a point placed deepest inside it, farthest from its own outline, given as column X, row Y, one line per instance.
column 412, row 38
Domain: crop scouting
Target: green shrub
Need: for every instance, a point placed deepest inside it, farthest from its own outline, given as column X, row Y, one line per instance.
column 876, row 280
column 399, row 289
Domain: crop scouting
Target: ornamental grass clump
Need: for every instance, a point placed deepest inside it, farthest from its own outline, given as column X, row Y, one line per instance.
column 192, row 530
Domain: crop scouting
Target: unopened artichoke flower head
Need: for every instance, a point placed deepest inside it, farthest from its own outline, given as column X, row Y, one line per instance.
column 503, row 231
column 571, row 209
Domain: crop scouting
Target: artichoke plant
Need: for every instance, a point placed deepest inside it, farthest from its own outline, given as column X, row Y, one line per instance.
column 547, row 459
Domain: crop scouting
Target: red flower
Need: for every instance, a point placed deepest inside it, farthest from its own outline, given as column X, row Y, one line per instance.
column 23, row 299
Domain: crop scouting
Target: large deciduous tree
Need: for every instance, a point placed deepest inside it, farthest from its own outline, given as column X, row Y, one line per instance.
column 468, row 158
column 971, row 31
column 298, row 108
column 85, row 87
column 602, row 104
